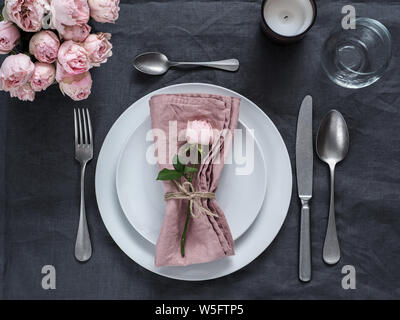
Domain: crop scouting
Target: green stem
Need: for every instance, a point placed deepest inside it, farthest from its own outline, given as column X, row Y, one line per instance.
column 183, row 239
column 184, row 233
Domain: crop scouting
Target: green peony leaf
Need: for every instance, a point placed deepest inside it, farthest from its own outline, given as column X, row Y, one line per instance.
column 167, row 174
column 177, row 164
column 190, row 169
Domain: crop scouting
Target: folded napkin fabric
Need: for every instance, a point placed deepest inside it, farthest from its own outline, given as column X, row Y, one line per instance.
column 208, row 238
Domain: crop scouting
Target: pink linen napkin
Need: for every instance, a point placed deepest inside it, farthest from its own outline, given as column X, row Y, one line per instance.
column 208, row 238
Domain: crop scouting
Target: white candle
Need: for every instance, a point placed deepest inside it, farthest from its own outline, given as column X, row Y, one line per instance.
column 288, row 18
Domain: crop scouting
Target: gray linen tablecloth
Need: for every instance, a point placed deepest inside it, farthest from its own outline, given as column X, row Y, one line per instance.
column 40, row 179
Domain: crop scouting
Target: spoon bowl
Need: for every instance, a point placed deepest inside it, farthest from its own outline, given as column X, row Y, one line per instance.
column 332, row 138
column 332, row 146
column 153, row 63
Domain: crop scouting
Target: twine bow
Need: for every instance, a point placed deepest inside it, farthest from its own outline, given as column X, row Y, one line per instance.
column 185, row 193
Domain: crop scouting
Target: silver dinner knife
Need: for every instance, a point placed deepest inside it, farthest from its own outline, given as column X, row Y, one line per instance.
column 304, row 172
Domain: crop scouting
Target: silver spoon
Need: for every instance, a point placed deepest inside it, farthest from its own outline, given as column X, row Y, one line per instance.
column 156, row 63
column 332, row 147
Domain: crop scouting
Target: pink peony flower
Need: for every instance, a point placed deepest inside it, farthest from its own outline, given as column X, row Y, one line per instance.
column 77, row 87
column 43, row 76
column 104, row 10
column 98, row 48
column 77, row 33
column 69, row 13
column 44, row 46
column 26, row 14
column 9, row 36
column 61, row 74
column 199, row 132
column 15, row 71
column 24, row 93
column 73, row 58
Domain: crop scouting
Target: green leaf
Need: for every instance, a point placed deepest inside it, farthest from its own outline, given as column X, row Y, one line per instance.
column 177, row 164
column 190, row 169
column 166, row 174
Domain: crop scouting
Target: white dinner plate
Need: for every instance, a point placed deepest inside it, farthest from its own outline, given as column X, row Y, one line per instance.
column 240, row 194
column 252, row 243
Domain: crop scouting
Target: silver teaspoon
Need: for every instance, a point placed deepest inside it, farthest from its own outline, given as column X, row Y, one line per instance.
column 332, row 147
column 155, row 63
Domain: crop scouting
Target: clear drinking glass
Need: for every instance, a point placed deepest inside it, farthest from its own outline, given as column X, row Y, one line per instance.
column 356, row 58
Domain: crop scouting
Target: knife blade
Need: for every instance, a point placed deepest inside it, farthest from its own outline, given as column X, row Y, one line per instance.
column 304, row 173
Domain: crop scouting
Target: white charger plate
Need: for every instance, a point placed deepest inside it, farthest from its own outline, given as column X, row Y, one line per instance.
column 249, row 245
column 240, row 196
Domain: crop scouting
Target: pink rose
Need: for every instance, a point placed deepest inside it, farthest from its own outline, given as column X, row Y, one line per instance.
column 199, row 132
column 98, row 48
column 27, row 14
column 61, row 74
column 15, row 71
column 24, row 93
column 77, row 87
column 43, row 76
column 77, row 33
column 9, row 36
column 104, row 10
column 44, row 46
column 69, row 13
column 73, row 58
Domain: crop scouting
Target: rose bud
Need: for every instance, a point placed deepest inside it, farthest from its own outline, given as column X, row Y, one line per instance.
column 199, row 132
column 9, row 36
column 104, row 10
column 73, row 58
column 44, row 46
column 77, row 87
column 98, row 48
column 15, row 71
column 24, row 93
column 77, row 33
column 69, row 13
column 26, row 14
column 43, row 76
column 61, row 74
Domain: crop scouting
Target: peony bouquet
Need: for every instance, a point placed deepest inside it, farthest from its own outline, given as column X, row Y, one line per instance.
column 49, row 41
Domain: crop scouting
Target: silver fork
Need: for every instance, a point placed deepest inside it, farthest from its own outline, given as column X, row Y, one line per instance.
column 83, row 154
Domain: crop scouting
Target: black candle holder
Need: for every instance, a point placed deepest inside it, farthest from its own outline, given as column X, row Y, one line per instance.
column 282, row 39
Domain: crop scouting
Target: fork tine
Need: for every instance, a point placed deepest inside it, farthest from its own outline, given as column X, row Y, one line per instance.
column 75, row 128
column 80, row 127
column 89, row 127
column 85, row 128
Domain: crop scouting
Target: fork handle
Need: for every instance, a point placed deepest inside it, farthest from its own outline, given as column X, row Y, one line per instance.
column 83, row 247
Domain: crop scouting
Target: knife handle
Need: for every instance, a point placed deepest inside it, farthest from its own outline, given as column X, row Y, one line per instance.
column 305, row 243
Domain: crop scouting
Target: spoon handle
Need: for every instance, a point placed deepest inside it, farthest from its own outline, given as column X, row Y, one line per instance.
column 227, row 65
column 331, row 250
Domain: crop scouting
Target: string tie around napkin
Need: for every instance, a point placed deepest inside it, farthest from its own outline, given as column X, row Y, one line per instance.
column 185, row 193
